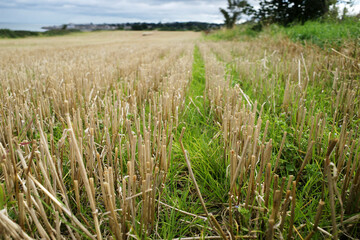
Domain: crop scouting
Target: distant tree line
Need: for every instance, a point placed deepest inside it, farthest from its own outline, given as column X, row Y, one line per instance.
column 7, row 33
column 173, row 26
column 283, row 12
column 139, row 26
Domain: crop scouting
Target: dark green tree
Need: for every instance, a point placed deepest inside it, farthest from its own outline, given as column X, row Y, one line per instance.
column 287, row 11
column 234, row 10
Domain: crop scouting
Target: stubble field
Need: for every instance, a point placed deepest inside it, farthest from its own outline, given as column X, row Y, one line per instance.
column 169, row 135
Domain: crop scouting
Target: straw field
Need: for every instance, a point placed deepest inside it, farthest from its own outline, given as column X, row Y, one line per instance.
column 120, row 135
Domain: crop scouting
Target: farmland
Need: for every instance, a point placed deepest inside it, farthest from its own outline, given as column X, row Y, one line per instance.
column 173, row 135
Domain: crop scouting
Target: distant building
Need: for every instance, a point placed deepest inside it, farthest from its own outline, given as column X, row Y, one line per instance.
column 71, row 26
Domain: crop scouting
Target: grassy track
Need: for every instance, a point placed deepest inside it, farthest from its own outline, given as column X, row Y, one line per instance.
column 206, row 155
column 202, row 139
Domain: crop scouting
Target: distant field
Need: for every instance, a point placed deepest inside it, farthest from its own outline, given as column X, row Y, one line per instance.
column 101, row 38
column 170, row 135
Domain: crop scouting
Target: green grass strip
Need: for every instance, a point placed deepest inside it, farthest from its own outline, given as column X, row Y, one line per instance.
column 201, row 140
column 204, row 144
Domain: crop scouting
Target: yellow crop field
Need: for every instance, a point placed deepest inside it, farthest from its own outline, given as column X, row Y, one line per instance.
column 172, row 135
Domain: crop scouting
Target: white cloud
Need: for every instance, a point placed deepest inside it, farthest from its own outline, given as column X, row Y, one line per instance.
column 352, row 10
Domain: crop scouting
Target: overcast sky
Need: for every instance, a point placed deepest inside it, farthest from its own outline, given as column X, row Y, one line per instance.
column 110, row 11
